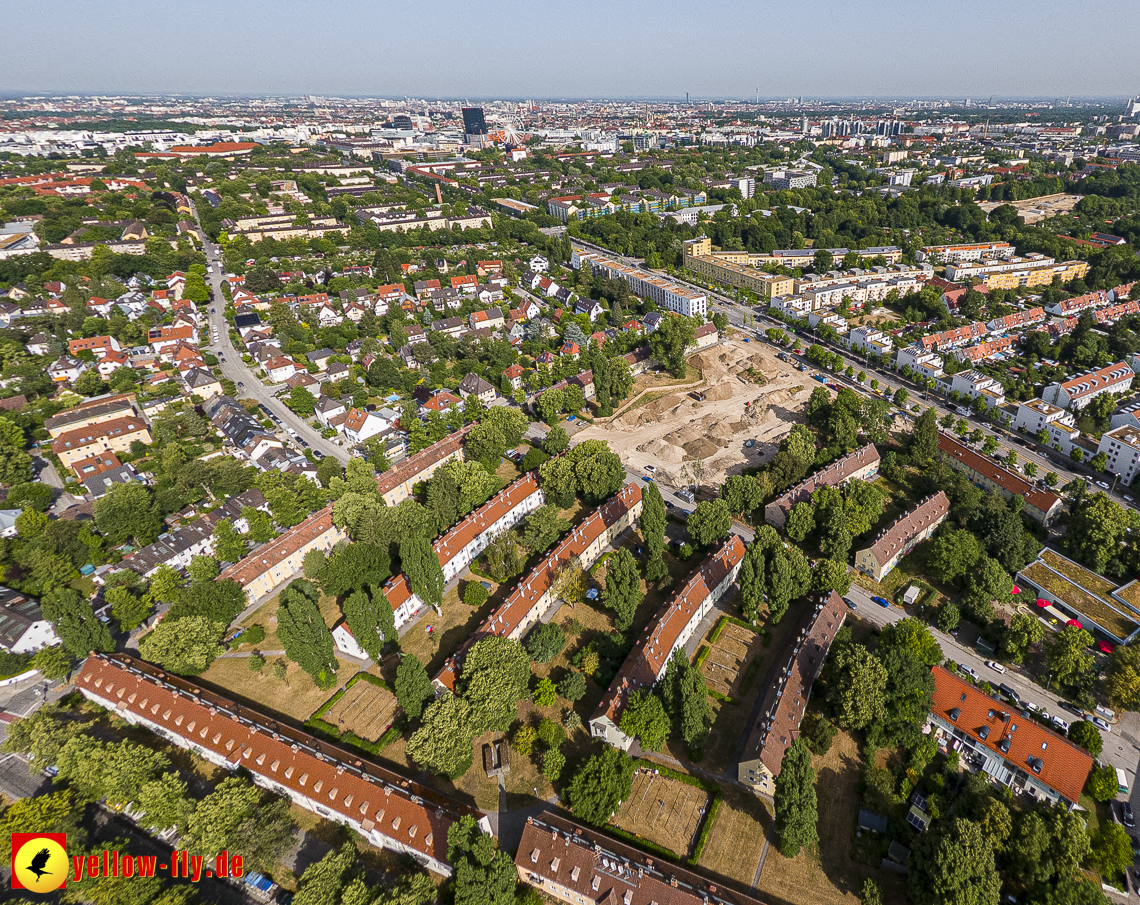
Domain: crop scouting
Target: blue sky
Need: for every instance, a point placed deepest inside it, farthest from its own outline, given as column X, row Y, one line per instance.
column 587, row 48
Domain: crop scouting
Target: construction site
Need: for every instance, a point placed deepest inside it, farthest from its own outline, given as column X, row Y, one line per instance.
column 734, row 419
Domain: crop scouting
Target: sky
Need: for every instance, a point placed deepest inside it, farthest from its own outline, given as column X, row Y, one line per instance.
column 582, row 49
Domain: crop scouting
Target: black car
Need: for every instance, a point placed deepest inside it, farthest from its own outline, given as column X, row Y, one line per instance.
column 1126, row 815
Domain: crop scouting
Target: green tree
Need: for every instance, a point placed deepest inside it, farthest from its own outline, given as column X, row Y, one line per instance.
column 686, row 700
column 185, row 646
column 653, row 519
column 953, row 555
column 1069, row 659
column 644, row 718
column 1097, row 526
column 830, row 575
column 128, row 513
column 545, row 642
column 857, row 683
column 599, row 785
column 924, row 440
column 545, row 693
column 953, row 864
column 353, row 567
column 542, row 528
column 75, row 623
column 128, row 609
column 556, row 441
column 202, row 569
column 1024, row 631
column 164, row 802
column 413, row 686
column 234, row 817
column 1085, row 734
column 323, row 881
column 422, row 569
column 796, row 809
column 371, row 621
column 303, row 633
column 573, row 686
column 302, row 401
column 622, row 592
column 525, row 740
column 1102, row 784
column 948, row 617
column 800, row 522
column 53, row 662
column 485, row 443
column 709, row 522
column 670, row 343
column 443, row 742
column 1112, row 849
column 495, row 677
column 229, row 545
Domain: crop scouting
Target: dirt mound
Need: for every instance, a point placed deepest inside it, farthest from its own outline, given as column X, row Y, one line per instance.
column 721, row 391
column 663, row 451
column 704, row 448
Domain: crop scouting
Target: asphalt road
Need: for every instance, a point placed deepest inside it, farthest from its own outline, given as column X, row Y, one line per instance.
column 232, row 367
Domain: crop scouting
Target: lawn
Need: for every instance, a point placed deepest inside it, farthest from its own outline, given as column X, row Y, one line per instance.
column 266, row 616
column 911, row 568
column 825, row 872
column 296, row 697
column 737, row 836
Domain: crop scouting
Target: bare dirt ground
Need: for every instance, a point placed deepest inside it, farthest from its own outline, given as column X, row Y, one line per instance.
column 663, row 810
column 1034, row 210
column 667, row 431
column 731, row 653
column 365, row 709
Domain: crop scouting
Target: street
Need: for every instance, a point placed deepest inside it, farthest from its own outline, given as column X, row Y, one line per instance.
column 233, row 368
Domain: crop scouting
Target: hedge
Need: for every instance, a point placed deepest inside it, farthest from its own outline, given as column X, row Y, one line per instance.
column 701, row 655
column 706, row 829
column 749, row 675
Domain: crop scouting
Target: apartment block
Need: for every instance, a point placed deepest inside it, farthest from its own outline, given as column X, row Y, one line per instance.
column 861, row 464
column 733, row 269
column 1122, row 446
column 1037, row 415
column 985, row 473
column 115, row 435
column 533, row 597
column 1077, row 392
column 281, row 559
column 96, row 411
column 388, row 809
column 962, row 254
column 395, row 485
column 665, row 292
column 669, row 631
column 902, row 536
column 785, row 702
column 973, row 384
column 871, row 341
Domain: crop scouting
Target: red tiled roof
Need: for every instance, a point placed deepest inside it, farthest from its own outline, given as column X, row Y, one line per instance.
column 421, row 461
column 906, row 527
column 515, row 608
column 835, row 473
column 364, row 793
column 85, row 436
column 266, row 557
column 1063, row 766
column 1039, row 499
column 651, row 651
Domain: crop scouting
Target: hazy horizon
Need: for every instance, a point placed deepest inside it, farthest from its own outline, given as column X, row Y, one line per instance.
column 725, row 50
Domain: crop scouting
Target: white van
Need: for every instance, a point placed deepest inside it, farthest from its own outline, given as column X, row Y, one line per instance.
column 1121, row 781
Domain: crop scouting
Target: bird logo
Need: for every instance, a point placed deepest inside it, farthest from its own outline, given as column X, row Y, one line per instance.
column 39, row 861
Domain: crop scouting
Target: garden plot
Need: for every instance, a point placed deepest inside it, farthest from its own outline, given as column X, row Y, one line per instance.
column 366, row 710
column 665, row 811
column 728, row 659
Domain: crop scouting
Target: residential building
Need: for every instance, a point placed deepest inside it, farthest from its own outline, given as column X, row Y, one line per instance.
column 1122, row 446
column 991, row 350
column 473, row 385
column 203, row 383
column 395, row 485
column 115, row 435
column 1074, row 306
column 984, row 472
column 734, row 269
column 66, row 369
column 1077, row 392
column 971, row 384
column 23, row 628
column 1010, row 749
column 1031, row 270
column 961, row 254
column 99, row 484
column 99, row 346
column 278, row 368
column 670, row 630
column 389, row 810
column 903, row 536
column 861, row 464
column 779, row 717
column 783, row 180
column 952, row 339
column 280, row 560
column 1037, row 415
column 870, row 341
column 667, row 293
column 574, row 864
column 95, row 411
column 534, row 597
column 915, row 356
column 360, row 425
column 514, row 376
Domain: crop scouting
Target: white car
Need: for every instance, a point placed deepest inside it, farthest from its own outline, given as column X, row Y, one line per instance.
column 651, row 469
column 995, row 666
column 1060, row 724
column 1101, row 724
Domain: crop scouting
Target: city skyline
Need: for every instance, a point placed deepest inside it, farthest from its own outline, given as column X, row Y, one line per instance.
column 731, row 51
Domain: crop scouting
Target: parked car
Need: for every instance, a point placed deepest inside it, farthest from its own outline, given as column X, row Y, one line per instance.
column 881, row 601
column 1101, row 724
column 1126, row 815
column 968, row 671
column 1010, row 693
column 651, row 469
column 1102, row 485
column 995, row 666
column 1073, row 709
column 851, row 605
column 1062, row 725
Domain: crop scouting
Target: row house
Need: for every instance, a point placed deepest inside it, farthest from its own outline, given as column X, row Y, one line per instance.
column 533, row 597
column 1036, row 415
column 952, row 339
column 280, row 560
column 669, row 631
column 985, row 473
column 904, row 534
column 986, row 350
column 862, row 464
column 1077, row 392
column 1073, row 306
column 1018, row 321
column 778, row 720
column 491, row 318
column 87, row 414
column 1111, row 315
column 387, row 809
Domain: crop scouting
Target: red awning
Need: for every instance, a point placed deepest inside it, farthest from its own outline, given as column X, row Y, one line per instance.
column 1016, row 590
column 1105, row 647
column 1074, row 622
column 1042, row 603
